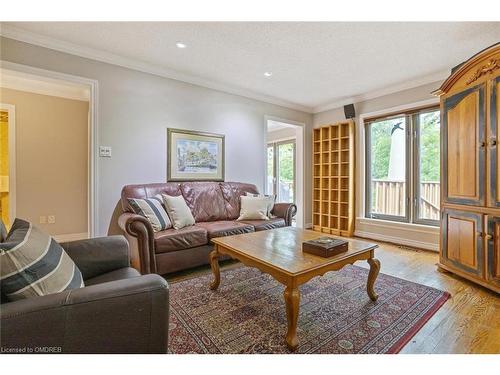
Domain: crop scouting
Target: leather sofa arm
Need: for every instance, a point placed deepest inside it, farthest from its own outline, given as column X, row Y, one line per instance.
column 140, row 235
column 96, row 256
column 112, row 317
column 285, row 210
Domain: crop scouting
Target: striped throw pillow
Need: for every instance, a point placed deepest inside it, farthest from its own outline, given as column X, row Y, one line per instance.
column 153, row 210
column 34, row 264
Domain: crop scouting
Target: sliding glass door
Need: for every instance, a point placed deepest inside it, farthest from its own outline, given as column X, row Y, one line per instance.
column 281, row 170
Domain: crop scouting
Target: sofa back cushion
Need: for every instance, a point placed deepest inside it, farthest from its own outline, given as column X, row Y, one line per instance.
column 208, row 201
column 148, row 191
column 205, row 200
column 232, row 191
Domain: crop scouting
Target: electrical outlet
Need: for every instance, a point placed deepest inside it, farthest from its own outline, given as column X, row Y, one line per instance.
column 43, row 219
column 51, row 219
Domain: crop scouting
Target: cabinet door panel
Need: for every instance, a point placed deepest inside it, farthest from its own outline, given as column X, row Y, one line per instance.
column 493, row 243
column 494, row 155
column 462, row 245
column 463, row 147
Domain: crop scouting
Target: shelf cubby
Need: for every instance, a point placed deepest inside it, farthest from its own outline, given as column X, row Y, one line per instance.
column 333, row 176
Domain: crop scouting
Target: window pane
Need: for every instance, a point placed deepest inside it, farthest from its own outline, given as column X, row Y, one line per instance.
column 388, row 167
column 286, row 170
column 270, row 170
column 428, row 201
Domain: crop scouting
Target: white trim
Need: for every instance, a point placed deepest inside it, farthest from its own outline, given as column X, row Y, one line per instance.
column 41, row 85
column 93, row 198
column 12, row 32
column 11, row 113
column 300, row 162
column 397, row 240
column 435, row 77
column 70, row 237
column 308, row 226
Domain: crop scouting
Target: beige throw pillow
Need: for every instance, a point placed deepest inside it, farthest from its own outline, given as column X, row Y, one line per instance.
column 178, row 211
column 270, row 201
column 253, row 208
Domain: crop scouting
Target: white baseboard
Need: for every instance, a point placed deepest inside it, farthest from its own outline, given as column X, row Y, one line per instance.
column 397, row 240
column 70, row 237
column 308, row 226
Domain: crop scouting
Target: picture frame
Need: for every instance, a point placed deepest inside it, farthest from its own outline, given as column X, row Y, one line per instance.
column 195, row 155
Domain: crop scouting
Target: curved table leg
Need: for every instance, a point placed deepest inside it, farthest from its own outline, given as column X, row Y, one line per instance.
column 372, row 276
column 214, row 263
column 292, row 300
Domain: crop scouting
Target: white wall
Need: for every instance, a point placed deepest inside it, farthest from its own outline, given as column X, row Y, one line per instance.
column 409, row 234
column 135, row 110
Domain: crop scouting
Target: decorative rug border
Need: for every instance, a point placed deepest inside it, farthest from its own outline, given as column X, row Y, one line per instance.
column 399, row 345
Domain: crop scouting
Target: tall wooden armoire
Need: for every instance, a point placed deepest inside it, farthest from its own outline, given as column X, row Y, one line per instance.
column 470, row 161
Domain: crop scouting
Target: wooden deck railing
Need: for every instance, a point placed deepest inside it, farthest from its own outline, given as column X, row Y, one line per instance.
column 389, row 198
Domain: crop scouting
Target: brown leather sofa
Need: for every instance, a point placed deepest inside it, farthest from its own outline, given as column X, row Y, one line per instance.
column 118, row 310
column 215, row 207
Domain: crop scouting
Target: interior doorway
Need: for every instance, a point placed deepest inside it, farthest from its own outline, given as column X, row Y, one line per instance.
column 284, row 163
column 7, row 164
column 49, row 107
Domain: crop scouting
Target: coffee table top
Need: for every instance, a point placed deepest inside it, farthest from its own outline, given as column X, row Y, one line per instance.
column 282, row 248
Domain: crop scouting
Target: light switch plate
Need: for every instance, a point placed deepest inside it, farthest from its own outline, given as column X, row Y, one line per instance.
column 51, row 219
column 105, row 151
column 43, row 219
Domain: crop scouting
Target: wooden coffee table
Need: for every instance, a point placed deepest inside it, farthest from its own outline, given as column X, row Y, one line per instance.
column 278, row 252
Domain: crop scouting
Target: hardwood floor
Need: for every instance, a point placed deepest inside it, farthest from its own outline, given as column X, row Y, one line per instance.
column 469, row 322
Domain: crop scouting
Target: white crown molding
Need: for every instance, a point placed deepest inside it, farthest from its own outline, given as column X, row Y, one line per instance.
column 438, row 76
column 12, row 32
column 41, row 85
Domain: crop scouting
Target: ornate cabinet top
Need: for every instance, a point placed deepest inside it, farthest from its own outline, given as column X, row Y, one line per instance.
column 480, row 67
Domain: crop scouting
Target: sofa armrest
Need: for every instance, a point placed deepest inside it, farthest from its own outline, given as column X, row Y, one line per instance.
column 140, row 235
column 286, row 211
column 96, row 256
column 123, row 316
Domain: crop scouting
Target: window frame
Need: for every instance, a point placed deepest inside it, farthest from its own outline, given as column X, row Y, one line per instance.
column 275, row 146
column 412, row 165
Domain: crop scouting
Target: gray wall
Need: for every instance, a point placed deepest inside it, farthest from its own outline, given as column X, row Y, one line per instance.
column 135, row 110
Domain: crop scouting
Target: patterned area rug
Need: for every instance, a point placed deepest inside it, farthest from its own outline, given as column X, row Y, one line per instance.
column 247, row 313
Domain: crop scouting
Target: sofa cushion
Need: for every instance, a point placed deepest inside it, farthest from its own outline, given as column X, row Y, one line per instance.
column 179, row 239
column 119, row 274
column 33, row 264
column 266, row 224
column 153, row 210
column 205, row 200
column 178, row 211
column 232, row 191
column 225, row 228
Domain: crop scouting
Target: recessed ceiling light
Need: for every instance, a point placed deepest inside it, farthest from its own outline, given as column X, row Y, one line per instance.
column 268, row 74
column 180, row 45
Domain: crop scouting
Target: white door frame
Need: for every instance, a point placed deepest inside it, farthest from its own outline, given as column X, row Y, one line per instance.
column 92, row 132
column 11, row 113
column 299, row 165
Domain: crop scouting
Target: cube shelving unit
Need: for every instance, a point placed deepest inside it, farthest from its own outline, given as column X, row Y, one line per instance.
column 333, row 178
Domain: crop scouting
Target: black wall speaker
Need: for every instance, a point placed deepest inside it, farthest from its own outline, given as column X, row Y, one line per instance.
column 349, row 111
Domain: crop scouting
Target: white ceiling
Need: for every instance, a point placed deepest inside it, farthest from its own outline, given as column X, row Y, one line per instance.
column 315, row 65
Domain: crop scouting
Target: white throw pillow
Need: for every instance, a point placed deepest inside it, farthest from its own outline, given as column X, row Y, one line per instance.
column 253, row 208
column 178, row 211
column 270, row 201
